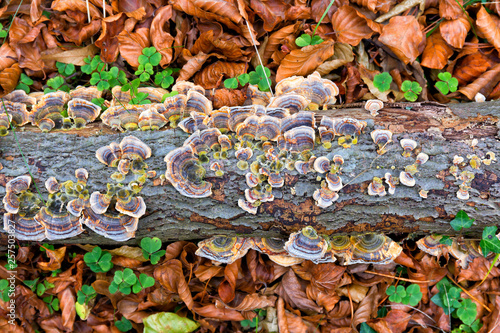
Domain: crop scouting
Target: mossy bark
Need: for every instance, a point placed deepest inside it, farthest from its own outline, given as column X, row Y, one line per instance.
column 441, row 132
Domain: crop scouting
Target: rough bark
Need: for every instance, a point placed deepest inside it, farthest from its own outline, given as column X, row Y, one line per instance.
column 442, row 132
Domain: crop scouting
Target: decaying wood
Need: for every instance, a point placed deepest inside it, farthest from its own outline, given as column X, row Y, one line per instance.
column 442, row 132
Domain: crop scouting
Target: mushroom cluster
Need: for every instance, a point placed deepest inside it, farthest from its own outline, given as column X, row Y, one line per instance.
column 70, row 205
column 464, row 250
column 306, row 244
column 464, row 172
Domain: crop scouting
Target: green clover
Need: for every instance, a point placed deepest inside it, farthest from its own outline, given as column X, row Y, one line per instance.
column 411, row 90
column 382, row 81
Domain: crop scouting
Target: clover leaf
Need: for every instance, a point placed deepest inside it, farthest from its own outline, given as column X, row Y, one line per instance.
column 65, row 69
column 98, row 261
column 144, row 281
column 86, row 294
column 124, row 325
column 260, row 77
column 447, row 83
column 151, row 249
column 413, row 295
column 411, row 90
column 4, row 290
column 164, row 78
column 92, row 64
column 305, row 40
column 123, row 281
column 382, row 81
column 24, row 83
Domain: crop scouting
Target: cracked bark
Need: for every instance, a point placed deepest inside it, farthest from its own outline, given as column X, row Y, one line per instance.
column 441, row 132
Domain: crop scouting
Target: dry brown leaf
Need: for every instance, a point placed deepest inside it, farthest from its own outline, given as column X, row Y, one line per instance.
column 75, row 56
column 126, row 262
column 271, row 12
column 227, row 288
column 403, row 36
column 367, row 307
column 450, row 9
column 211, row 311
column 489, row 26
column 343, row 55
column 252, row 302
column 36, row 10
column 328, row 301
column 79, row 5
column 276, row 39
column 477, row 271
column 9, row 78
column 108, row 41
column 395, row 322
column 291, row 291
column 171, row 277
column 132, row 43
column 174, row 250
column 228, row 97
column 7, row 56
column 318, row 7
column 55, row 259
column 207, row 272
column 471, row 67
column 305, row 60
column 483, row 84
column 325, row 277
column 160, row 36
column 436, row 52
column 356, row 291
column 282, row 323
column 67, row 302
column 208, row 42
column 370, row 4
column 454, row 32
column 350, row 26
column 102, row 287
column 212, row 76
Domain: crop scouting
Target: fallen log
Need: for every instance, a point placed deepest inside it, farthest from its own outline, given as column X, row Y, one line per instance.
column 441, row 132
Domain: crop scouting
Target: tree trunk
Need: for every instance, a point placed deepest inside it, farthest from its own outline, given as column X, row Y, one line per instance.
column 441, row 132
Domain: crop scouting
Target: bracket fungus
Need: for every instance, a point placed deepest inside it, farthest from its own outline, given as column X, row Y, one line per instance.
column 376, row 187
column 306, row 244
column 431, row 244
column 224, row 249
column 292, row 102
column 374, row 105
column 46, row 113
column 348, row 130
column 372, row 248
column 381, row 139
column 119, row 227
column 20, row 96
column 408, row 146
column 12, row 113
column 82, row 112
column 151, row 119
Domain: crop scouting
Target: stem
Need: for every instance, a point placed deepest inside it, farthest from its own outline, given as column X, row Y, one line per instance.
column 323, row 16
column 10, row 25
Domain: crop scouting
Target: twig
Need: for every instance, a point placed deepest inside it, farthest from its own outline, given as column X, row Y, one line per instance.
column 398, row 278
column 422, row 312
column 468, row 293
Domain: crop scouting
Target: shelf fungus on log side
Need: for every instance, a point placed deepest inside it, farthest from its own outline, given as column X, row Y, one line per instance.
column 289, row 164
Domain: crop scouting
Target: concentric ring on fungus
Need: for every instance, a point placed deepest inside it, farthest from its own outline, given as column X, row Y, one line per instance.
column 224, row 249
column 372, row 248
column 306, row 244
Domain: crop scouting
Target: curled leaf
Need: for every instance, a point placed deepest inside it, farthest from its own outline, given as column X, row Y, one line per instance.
column 403, row 36
column 350, row 26
column 163, row 322
column 436, row 52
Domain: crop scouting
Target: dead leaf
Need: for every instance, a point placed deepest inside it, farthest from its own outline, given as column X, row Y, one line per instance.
column 477, row 270
column 171, row 277
column 367, row 308
column 108, row 41
column 160, row 36
column 356, row 291
column 471, row 67
column 193, row 65
column 208, row 42
column 489, row 26
column 75, row 56
column 343, row 54
column 132, row 43
column 211, row 311
column 228, row 97
column 454, row 32
column 9, row 78
column 291, row 291
column 395, row 322
column 483, row 84
column 7, row 56
column 55, row 259
column 403, row 36
column 325, row 277
column 318, row 7
column 207, row 272
column 67, row 302
column 350, row 26
column 272, row 12
column 227, row 287
column 276, row 39
column 79, row 5
column 251, row 302
column 213, row 75
column 436, row 52
column 450, row 9
column 305, row 60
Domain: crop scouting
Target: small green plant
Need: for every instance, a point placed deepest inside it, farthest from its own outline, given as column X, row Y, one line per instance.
column 137, row 97
column 490, row 242
column 92, row 64
column 170, row 94
column 449, row 299
column 410, row 295
column 151, row 249
column 46, row 247
column 382, row 81
column 124, row 325
column 260, row 77
column 65, row 69
column 254, row 323
column 24, row 83
column 364, row 328
column 447, row 240
column 108, row 79
column 461, row 221
column 305, row 40
column 164, row 78
column 447, row 83
column 3, row 33
column 56, row 83
column 52, row 303
column 38, row 288
column 4, row 290
column 126, row 281
column 411, row 90
column 86, row 294
column 232, row 83
column 98, row 261
column 147, row 60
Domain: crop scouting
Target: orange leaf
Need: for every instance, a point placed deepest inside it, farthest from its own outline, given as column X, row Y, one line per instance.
column 450, row 9
column 470, row 67
column 55, row 259
column 489, row 26
column 483, row 84
column 132, row 43
column 211, row 311
column 436, row 52
column 403, row 36
column 318, row 7
column 291, row 291
column 350, row 26
column 160, row 36
column 272, row 12
column 208, row 42
column 252, row 302
column 79, row 5
column 276, row 39
column 67, row 304
column 9, row 78
column 7, row 56
column 228, row 97
column 171, row 277
column 108, row 41
column 305, row 60
column 212, row 75
column 193, row 65
column 454, row 32
column 227, row 287
column 395, row 322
